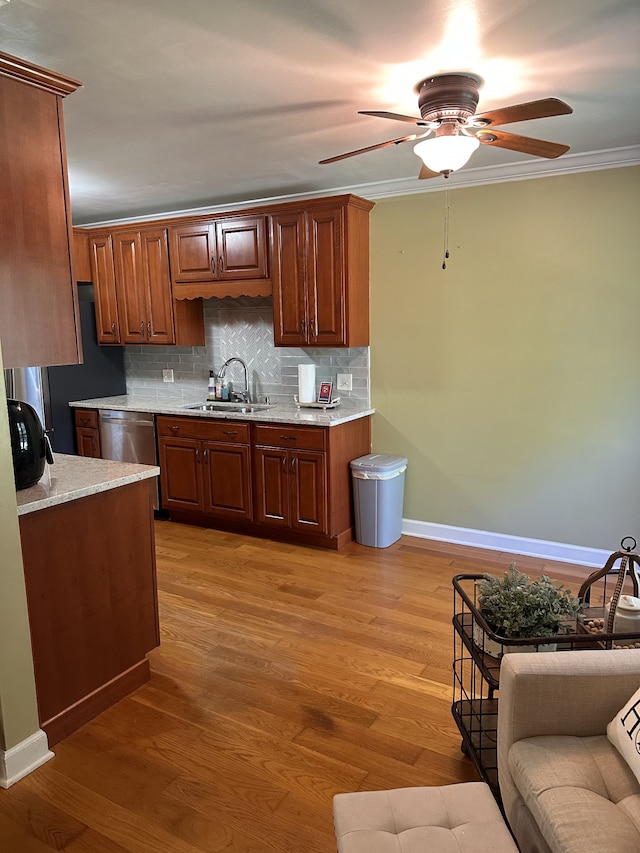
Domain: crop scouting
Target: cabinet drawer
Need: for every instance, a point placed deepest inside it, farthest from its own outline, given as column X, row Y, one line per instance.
column 284, row 435
column 207, row 430
column 87, row 418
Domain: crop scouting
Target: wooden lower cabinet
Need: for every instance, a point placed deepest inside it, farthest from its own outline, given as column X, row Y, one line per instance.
column 205, row 467
column 88, row 433
column 273, row 480
column 291, row 478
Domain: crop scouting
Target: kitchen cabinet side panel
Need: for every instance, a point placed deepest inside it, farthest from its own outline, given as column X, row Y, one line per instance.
column 38, row 308
column 92, row 598
column 357, row 270
column 346, row 442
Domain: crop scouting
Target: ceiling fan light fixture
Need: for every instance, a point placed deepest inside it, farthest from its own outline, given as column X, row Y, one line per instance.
column 446, row 153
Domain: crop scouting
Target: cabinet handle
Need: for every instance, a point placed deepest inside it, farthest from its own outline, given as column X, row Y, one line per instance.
column 220, row 264
column 149, row 327
column 284, row 464
column 212, row 265
column 95, row 444
column 206, row 455
column 142, row 328
column 174, row 428
column 198, row 455
column 230, row 431
column 288, row 438
column 303, row 326
column 316, row 325
column 293, row 464
column 113, row 327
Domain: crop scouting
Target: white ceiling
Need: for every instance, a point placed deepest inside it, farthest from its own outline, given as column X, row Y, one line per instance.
column 190, row 103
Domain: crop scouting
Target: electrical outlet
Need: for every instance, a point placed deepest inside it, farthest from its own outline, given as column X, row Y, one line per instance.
column 167, row 375
column 345, row 382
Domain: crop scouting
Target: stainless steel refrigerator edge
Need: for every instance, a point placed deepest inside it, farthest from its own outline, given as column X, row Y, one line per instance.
column 50, row 389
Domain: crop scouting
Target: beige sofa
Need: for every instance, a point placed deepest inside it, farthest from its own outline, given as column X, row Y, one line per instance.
column 565, row 788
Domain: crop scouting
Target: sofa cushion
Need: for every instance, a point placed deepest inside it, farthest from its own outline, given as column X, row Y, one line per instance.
column 624, row 733
column 582, row 794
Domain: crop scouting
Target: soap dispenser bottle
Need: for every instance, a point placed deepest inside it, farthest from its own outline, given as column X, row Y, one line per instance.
column 211, row 394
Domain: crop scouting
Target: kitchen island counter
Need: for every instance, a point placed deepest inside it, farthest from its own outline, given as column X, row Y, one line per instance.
column 90, row 576
column 73, row 477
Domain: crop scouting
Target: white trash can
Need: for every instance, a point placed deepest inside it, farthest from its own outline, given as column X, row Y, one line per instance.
column 378, row 495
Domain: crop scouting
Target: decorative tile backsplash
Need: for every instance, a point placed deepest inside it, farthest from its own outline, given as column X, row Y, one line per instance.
column 243, row 328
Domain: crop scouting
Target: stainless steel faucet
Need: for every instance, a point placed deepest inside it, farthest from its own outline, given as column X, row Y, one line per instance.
column 239, row 395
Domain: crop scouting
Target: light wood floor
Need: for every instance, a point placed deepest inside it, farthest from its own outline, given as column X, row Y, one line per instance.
column 285, row 676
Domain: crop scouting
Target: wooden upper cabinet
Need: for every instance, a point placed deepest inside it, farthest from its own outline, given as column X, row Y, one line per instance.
column 224, row 256
column 143, row 286
column 320, row 274
column 104, row 288
column 38, row 303
column 193, row 252
column 134, row 301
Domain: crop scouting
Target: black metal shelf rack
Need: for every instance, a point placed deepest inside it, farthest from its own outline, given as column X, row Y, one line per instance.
column 476, row 669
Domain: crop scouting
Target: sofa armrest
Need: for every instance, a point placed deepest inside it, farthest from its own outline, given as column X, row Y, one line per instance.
column 559, row 693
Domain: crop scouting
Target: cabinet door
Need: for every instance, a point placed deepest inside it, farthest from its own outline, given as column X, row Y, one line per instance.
column 326, row 277
column 193, row 252
column 130, row 287
column 181, row 473
column 88, row 442
column 242, row 248
column 288, row 241
column 104, row 288
column 227, row 471
column 272, row 486
column 157, row 286
column 307, row 470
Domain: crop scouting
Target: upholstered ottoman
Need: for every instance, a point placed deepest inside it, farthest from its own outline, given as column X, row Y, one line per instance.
column 460, row 818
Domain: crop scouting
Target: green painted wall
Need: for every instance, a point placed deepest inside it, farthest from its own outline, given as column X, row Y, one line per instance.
column 18, row 709
column 511, row 381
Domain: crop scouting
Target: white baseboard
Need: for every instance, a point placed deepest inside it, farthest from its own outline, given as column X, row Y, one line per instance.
column 17, row 762
column 592, row 557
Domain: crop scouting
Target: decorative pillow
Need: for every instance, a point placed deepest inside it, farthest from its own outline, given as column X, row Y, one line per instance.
column 624, row 733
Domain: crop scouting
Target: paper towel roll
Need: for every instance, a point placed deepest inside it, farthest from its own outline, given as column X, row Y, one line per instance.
column 306, row 383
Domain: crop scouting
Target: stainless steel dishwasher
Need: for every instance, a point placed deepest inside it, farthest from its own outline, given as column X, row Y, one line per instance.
column 129, row 437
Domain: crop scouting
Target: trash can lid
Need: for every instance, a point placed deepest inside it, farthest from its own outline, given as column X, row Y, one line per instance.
column 379, row 463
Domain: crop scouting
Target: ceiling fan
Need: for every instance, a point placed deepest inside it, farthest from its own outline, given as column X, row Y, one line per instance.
column 448, row 105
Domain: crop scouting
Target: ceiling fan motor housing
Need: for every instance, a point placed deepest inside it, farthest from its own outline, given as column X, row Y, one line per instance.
column 449, row 96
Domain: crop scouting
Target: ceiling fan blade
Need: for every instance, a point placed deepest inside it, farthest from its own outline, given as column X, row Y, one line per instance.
column 525, row 144
column 427, row 173
column 524, row 112
column 395, row 116
column 369, row 148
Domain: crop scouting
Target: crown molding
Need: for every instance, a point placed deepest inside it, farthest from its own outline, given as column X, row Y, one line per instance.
column 611, row 158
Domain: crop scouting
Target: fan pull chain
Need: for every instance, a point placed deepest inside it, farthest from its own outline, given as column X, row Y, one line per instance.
column 445, row 250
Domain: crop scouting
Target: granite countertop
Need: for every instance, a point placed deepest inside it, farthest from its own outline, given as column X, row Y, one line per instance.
column 73, row 477
column 278, row 413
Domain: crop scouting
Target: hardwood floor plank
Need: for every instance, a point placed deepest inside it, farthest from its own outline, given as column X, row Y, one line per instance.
column 285, row 675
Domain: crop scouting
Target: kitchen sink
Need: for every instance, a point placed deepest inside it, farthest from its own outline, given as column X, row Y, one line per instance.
column 234, row 408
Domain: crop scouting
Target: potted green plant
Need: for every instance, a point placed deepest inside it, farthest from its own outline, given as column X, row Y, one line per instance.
column 516, row 607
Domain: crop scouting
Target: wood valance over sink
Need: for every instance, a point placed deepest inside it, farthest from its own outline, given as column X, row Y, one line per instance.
column 220, row 289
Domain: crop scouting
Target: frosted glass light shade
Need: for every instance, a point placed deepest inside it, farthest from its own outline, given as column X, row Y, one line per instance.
column 446, row 153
